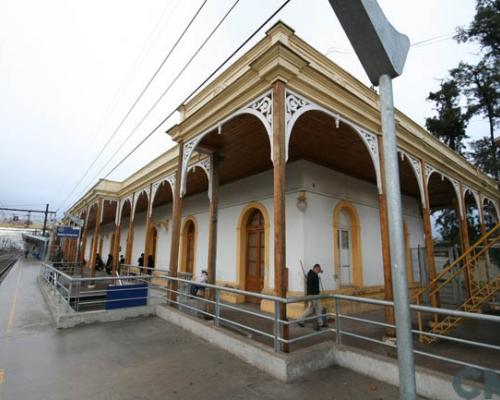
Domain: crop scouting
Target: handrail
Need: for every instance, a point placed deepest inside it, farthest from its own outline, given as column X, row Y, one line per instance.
column 463, row 256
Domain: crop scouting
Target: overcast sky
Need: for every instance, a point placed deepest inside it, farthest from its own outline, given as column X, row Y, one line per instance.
column 69, row 71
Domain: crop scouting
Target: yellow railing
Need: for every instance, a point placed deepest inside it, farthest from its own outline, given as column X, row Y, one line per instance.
column 468, row 257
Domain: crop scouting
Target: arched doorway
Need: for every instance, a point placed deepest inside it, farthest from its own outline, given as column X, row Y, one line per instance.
column 189, row 246
column 255, row 253
column 347, row 253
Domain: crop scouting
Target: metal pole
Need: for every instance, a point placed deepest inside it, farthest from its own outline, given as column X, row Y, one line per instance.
column 45, row 219
column 276, row 326
column 217, row 306
column 338, row 337
column 395, row 216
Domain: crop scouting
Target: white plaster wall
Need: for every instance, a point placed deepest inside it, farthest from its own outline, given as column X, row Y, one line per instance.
column 139, row 236
column 106, row 232
column 309, row 233
column 123, row 236
column 163, row 214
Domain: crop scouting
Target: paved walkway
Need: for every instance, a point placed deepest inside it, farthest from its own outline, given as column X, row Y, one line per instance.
column 136, row 359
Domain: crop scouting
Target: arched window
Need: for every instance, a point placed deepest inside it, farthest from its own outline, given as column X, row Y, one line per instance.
column 347, row 245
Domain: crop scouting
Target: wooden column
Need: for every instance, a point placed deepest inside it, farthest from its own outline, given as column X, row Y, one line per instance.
column 429, row 244
column 115, row 251
column 84, row 242
column 461, row 212
column 386, row 252
column 480, row 207
column 147, row 240
column 176, row 222
column 279, row 200
column 95, row 246
column 130, row 238
column 212, row 227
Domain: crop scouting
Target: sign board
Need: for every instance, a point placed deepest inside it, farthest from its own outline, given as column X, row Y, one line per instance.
column 67, row 232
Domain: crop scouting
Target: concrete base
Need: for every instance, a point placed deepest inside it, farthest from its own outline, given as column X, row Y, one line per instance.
column 65, row 317
column 285, row 367
column 430, row 384
column 289, row 367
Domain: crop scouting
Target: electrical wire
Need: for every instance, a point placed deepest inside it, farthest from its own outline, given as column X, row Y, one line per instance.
column 210, row 76
column 198, row 87
column 135, row 102
column 167, row 89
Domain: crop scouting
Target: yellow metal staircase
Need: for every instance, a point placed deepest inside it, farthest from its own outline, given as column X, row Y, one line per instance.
column 480, row 286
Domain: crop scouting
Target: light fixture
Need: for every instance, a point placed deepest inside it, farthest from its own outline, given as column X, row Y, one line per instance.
column 302, row 201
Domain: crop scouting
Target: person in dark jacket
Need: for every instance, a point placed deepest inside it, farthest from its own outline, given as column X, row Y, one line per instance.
column 109, row 264
column 140, row 262
column 151, row 264
column 314, row 306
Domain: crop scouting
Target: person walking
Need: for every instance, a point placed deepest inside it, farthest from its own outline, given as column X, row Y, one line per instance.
column 314, row 306
column 140, row 263
column 109, row 264
column 151, row 264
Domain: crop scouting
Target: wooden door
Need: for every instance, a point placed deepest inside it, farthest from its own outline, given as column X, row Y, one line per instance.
column 190, row 247
column 255, row 251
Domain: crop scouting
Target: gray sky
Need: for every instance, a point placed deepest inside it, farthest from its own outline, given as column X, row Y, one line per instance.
column 69, row 71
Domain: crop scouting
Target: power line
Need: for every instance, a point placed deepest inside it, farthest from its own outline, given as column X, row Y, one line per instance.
column 214, row 72
column 198, row 87
column 167, row 89
column 135, row 102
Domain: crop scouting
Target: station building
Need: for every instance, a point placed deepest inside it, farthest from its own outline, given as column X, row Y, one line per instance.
column 279, row 166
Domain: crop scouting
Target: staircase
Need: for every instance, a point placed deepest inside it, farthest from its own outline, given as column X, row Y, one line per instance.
column 480, row 286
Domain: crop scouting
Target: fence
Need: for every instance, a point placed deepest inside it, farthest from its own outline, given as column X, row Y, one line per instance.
column 266, row 327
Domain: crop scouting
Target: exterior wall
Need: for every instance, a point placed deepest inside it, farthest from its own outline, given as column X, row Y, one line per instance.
column 161, row 217
column 106, row 232
column 123, row 235
column 139, row 236
column 309, row 232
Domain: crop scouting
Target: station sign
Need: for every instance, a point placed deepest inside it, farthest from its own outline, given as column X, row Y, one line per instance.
column 67, row 232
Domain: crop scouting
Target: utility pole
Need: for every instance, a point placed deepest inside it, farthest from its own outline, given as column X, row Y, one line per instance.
column 45, row 219
column 382, row 51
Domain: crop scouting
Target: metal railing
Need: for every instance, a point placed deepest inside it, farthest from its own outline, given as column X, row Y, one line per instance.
column 93, row 293
column 267, row 327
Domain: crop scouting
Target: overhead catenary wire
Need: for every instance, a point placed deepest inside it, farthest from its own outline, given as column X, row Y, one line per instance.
column 172, row 82
column 198, row 87
column 210, row 76
column 122, row 121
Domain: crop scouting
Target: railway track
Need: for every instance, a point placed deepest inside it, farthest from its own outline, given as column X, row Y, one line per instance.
column 6, row 262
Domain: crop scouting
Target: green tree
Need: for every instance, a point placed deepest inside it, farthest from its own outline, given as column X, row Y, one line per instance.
column 484, row 29
column 481, row 86
column 481, row 156
column 450, row 123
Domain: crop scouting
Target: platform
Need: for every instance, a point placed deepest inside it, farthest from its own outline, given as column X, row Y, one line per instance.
column 144, row 358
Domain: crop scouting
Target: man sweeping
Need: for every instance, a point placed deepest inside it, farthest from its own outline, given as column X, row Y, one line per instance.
column 314, row 306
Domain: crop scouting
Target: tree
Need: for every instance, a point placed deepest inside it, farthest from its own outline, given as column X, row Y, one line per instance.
column 481, row 86
column 450, row 123
column 484, row 29
column 481, row 157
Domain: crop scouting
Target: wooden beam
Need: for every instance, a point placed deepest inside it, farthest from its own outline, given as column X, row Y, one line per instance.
column 279, row 200
column 386, row 252
column 95, row 243
column 429, row 244
column 176, row 223
column 212, row 229
column 115, row 251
